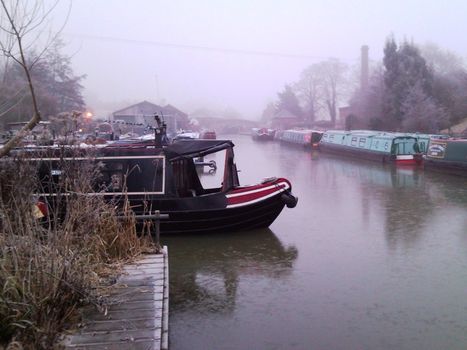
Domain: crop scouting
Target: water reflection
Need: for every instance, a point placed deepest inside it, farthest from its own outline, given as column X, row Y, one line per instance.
column 205, row 270
column 445, row 188
column 397, row 193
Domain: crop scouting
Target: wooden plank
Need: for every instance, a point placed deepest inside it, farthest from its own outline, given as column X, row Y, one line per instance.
column 142, row 345
column 120, row 325
column 165, row 311
column 137, row 317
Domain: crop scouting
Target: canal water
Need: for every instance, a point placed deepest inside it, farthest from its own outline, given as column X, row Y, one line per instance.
column 372, row 257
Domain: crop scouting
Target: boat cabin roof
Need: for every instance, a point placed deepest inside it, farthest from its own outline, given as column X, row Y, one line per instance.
column 195, row 148
column 371, row 134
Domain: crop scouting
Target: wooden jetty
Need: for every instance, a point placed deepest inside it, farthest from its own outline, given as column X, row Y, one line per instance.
column 137, row 317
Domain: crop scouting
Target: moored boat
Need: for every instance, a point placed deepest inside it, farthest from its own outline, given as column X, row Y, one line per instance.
column 208, row 135
column 149, row 176
column 447, row 155
column 186, row 135
column 373, row 145
column 262, row 134
column 424, row 139
column 306, row 137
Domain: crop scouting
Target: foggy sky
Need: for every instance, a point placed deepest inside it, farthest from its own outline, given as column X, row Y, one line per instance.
column 236, row 54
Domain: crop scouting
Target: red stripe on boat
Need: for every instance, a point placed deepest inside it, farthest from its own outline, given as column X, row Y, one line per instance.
column 247, row 197
column 252, row 194
column 278, row 182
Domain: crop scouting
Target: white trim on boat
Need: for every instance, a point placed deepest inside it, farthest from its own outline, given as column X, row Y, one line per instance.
column 99, row 194
column 98, row 158
column 256, row 200
column 286, row 186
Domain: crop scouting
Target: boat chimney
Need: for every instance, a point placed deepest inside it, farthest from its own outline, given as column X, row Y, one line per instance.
column 160, row 132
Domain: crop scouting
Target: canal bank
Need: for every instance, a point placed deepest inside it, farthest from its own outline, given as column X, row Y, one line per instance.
column 372, row 257
column 136, row 310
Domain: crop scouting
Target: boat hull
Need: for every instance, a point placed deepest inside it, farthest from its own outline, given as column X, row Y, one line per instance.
column 447, row 155
column 249, row 217
column 263, row 137
column 263, row 134
column 240, row 209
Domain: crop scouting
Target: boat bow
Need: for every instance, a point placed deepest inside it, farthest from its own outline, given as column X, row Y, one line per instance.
column 269, row 188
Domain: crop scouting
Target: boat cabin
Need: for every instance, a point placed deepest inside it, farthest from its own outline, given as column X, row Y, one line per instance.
column 372, row 145
column 136, row 170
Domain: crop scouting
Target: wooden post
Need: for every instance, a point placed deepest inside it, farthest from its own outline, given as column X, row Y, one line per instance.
column 157, row 219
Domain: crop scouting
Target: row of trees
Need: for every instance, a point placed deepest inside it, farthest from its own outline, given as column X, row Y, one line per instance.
column 412, row 89
column 318, row 92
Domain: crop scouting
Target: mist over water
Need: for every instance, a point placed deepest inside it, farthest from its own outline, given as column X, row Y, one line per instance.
column 372, row 257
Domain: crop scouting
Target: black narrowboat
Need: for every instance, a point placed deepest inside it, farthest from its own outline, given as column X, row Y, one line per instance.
column 153, row 176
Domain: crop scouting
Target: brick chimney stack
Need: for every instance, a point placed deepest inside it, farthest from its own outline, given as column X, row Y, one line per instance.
column 365, row 68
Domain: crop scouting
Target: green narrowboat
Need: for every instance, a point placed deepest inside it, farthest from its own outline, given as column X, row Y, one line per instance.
column 373, row 145
column 424, row 139
column 448, row 155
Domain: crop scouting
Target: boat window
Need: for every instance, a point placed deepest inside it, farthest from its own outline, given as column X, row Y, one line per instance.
column 331, row 137
column 315, row 137
column 112, row 177
column 145, row 175
column 362, row 142
column 405, row 146
column 186, row 180
column 211, row 179
column 354, row 141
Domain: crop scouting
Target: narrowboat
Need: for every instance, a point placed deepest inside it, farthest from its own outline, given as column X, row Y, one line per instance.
column 186, row 135
column 262, row 134
column 306, row 138
column 151, row 175
column 447, row 155
column 208, row 135
column 373, row 145
column 424, row 139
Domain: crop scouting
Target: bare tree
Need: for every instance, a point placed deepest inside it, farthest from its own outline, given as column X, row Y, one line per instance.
column 21, row 20
column 333, row 73
column 309, row 92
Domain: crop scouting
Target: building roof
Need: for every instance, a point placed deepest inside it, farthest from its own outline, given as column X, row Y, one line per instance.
column 148, row 109
column 285, row 114
column 171, row 110
column 142, row 108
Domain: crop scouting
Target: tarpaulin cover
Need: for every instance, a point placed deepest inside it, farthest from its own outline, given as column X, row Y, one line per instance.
column 195, row 148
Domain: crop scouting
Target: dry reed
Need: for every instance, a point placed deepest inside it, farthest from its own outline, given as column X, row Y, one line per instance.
column 49, row 268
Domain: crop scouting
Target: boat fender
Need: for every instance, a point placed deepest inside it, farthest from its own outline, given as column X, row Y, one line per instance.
column 289, row 199
column 268, row 179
